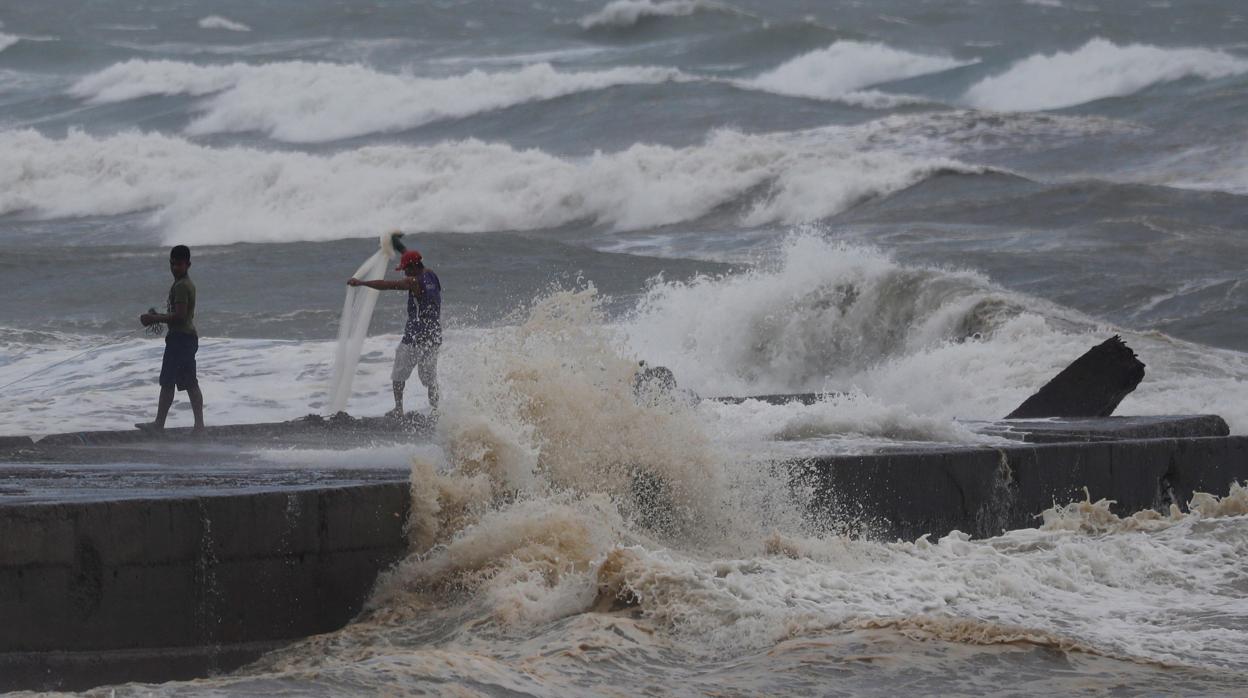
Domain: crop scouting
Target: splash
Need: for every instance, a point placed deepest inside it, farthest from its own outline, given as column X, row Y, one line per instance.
column 814, row 318
column 553, row 462
column 1096, row 518
column 909, row 347
column 552, row 409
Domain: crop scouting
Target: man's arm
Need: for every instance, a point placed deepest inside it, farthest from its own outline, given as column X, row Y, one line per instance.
column 178, row 315
column 404, row 284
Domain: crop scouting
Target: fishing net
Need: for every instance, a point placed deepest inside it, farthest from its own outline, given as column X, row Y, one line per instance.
column 155, row 329
column 357, row 312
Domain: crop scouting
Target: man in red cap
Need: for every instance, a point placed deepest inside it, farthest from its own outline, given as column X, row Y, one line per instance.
column 422, row 337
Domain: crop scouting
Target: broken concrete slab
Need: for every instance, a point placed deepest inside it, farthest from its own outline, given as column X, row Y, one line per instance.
column 1107, row 428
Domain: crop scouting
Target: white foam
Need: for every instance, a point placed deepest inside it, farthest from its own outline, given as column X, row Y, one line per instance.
column 1097, row 70
column 626, row 13
column 204, row 195
column 1044, row 3
column 835, row 72
column 219, row 22
column 922, row 346
column 244, row 381
column 305, row 102
column 7, row 40
column 1221, row 167
column 531, row 519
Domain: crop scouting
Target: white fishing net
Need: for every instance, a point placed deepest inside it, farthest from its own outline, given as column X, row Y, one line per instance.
column 357, row 312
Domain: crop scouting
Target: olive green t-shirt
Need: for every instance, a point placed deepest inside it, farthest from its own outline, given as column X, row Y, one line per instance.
column 183, row 291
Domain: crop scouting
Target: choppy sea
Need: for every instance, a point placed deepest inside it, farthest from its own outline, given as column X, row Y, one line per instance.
column 924, row 209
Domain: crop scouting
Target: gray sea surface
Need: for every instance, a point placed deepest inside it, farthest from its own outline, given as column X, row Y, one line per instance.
column 921, row 209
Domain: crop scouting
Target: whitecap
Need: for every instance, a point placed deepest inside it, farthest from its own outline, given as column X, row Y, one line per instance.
column 1097, row 70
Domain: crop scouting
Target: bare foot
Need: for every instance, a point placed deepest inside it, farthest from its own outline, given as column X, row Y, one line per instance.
column 151, row 427
column 396, row 413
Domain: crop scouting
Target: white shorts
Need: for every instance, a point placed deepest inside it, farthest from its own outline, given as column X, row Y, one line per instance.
column 410, row 356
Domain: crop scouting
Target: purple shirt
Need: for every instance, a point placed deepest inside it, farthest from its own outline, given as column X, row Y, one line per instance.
column 424, row 312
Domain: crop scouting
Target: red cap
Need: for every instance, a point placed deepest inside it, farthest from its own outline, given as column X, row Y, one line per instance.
column 409, row 258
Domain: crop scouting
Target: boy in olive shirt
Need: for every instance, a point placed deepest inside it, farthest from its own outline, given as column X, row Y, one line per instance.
column 178, row 368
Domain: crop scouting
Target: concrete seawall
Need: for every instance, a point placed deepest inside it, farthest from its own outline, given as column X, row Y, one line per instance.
column 985, row 491
column 116, row 570
column 157, row 589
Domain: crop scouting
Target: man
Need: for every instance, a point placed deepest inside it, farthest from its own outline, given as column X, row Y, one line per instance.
column 422, row 337
column 177, row 370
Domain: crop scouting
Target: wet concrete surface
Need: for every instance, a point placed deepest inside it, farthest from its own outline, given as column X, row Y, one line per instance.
column 235, row 459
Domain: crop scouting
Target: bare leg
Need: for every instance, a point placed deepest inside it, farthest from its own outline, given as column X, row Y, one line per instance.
column 428, row 372
column 162, row 408
column 197, row 406
column 398, row 397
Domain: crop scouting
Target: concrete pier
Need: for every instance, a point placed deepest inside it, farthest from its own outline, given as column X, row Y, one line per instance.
column 176, row 587
column 986, row 491
column 125, row 559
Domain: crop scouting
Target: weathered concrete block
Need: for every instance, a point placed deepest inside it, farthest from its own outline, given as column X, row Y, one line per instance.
column 13, row 443
column 262, row 524
column 368, row 516
column 1208, row 465
column 36, row 535
column 188, row 578
column 134, row 531
column 986, row 491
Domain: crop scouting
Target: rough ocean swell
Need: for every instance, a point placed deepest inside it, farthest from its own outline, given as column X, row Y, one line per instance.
column 920, row 210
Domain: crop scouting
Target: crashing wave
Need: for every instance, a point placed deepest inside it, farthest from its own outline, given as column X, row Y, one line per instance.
column 463, row 186
column 304, row 102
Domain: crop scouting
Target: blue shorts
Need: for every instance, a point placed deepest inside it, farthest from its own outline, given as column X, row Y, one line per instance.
column 178, row 367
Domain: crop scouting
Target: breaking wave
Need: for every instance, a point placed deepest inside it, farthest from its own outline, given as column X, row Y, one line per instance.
column 219, row 22
column 838, row 71
column 303, row 102
column 627, row 13
column 904, row 349
column 814, row 319
column 1097, row 70
column 7, row 40
column 537, row 516
column 202, row 195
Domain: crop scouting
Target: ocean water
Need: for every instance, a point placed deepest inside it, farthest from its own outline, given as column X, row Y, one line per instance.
column 924, row 209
